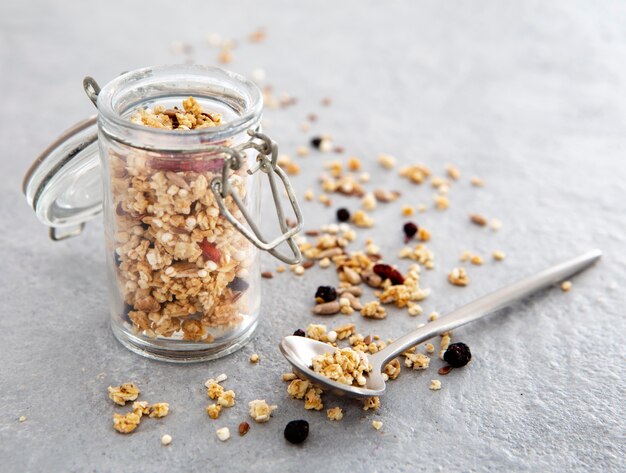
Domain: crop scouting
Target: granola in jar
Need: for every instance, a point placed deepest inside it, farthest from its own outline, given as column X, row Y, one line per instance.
column 183, row 271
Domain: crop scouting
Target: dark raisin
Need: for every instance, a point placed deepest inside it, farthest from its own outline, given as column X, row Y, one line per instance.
column 457, row 355
column 316, row 142
column 297, row 431
column 387, row 272
column 343, row 214
column 300, row 333
column 126, row 310
column 325, row 294
column 410, row 229
column 118, row 261
column 238, row 285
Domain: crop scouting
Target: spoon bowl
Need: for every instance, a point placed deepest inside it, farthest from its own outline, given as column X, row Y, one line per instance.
column 300, row 351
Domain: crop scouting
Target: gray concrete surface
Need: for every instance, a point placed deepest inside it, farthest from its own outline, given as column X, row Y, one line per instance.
column 527, row 95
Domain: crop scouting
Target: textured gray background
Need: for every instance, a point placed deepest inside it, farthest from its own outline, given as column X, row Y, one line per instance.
column 528, row 95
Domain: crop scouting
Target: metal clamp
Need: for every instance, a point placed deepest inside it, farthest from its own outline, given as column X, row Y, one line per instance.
column 266, row 162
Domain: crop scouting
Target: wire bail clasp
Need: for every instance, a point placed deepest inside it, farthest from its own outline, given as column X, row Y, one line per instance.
column 266, row 162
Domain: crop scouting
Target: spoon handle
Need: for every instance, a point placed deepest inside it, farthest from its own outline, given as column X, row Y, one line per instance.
column 487, row 304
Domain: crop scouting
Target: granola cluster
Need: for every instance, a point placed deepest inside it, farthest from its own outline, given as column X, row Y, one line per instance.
column 127, row 423
column 182, row 269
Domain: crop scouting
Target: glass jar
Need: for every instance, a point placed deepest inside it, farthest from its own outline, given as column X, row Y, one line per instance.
column 180, row 208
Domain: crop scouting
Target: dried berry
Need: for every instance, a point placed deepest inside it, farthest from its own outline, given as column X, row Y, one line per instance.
column 316, row 142
column 238, row 285
column 457, row 355
column 300, row 333
column 387, row 272
column 210, row 251
column 118, row 261
column 410, row 229
column 297, row 431
column 343, row 214
column 325, row 294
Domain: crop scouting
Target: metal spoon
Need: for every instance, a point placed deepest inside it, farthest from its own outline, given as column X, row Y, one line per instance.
column 300, row 351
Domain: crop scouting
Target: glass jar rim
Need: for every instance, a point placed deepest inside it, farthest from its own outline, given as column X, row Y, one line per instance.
column 165, row 138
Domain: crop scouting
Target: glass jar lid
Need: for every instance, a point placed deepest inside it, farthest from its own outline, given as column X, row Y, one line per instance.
column 64, row 184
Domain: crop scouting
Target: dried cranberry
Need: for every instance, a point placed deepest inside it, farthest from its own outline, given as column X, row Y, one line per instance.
column 300, row 333
column 343, row 214
column 325, row 294
column 316, row 142
column 457, row 355
column 209, row 251
column 238, row 284
column 410, row 229
column 387, row 272
column 297, row 431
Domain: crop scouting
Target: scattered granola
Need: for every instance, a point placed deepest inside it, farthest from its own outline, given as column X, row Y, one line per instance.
column 334, row 413
column 159, row 409
column 223, row 434
column 386, row 160
column 124, row 393
column 260, row 411
column 566, row 286
column 377, row 424
column 254, row 358
column 435, row 385
column 213, row 410
column 458, row 277
column 374, row 310
column 499, row 255
column 343, row 365
column 22, row 419
column 126, row 423
column 166, row 439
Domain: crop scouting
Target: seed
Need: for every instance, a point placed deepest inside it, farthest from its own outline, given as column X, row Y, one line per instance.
column 316, row 142
column 410, row 229
column 267, row 275
column 300, row 333
column 297, row 431
column 243, row 428
column 457, row 355
column 325, row 294
column 351, row 275
column 444, row 370
column 254, row 358
column 387, row 272
column 478, row 220
column 308, row 264
column 327, row 308
column 343, row 214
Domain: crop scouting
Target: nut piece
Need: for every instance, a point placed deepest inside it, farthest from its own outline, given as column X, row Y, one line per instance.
column 260, row 411
column 458, row 277
column 244, row 427
column 223, row 434
column 435, row 385
column 392, row 369
column 386, row 160
column 121, row 394
column 499, row 255
column 372, row 403
column 417, row 361
column 377, row 424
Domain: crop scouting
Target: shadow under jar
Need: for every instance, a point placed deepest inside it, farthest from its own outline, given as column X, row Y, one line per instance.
column 180, row 208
